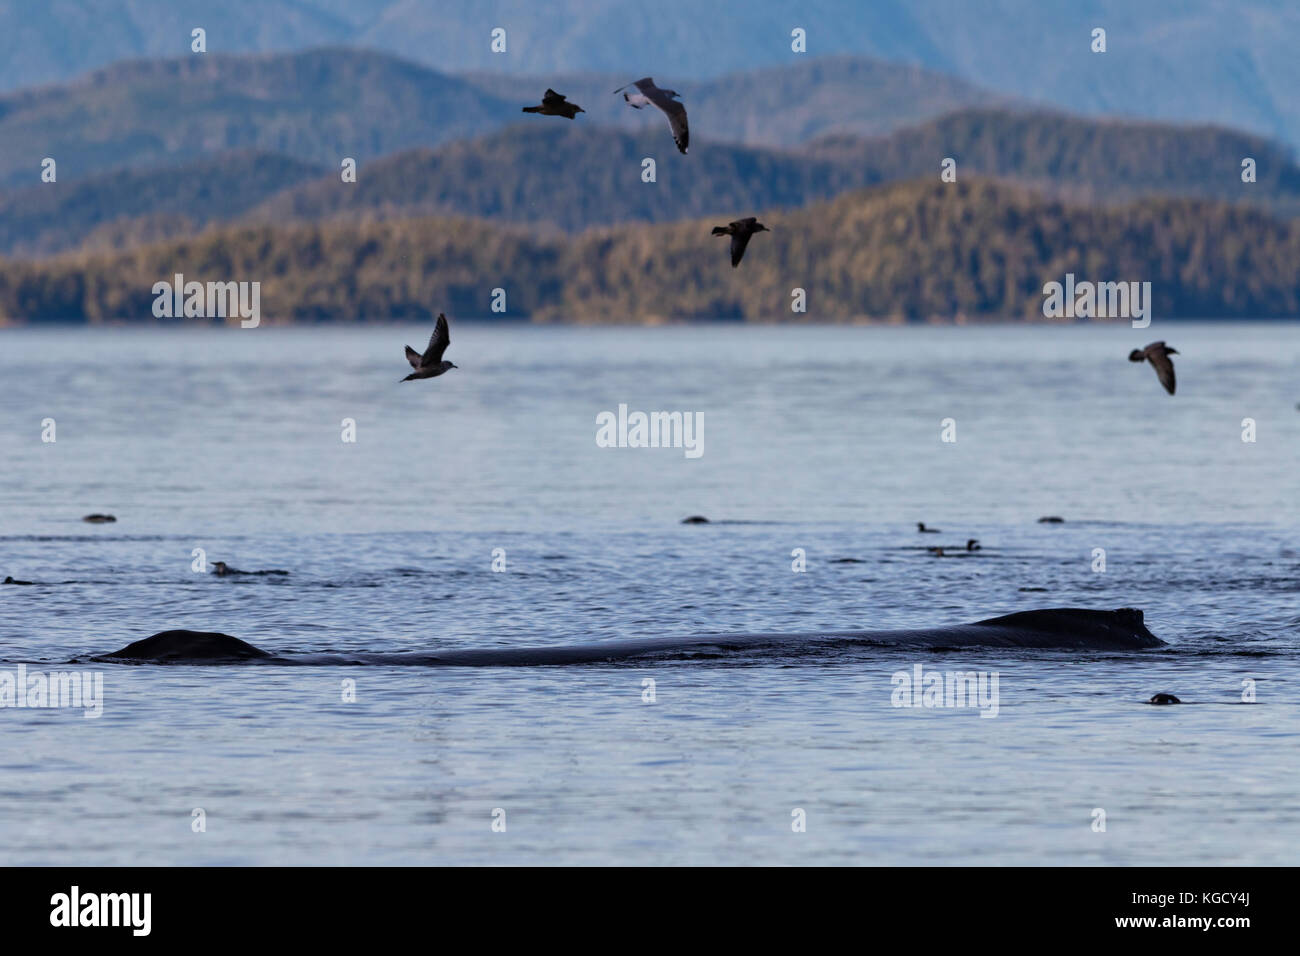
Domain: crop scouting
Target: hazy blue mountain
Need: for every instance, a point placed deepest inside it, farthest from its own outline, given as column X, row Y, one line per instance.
column 553, row 173
column 49, row 41
column 135, row 205
column 575, row 176
column 1227, row 61
column 774, row 106
column 321, row 105
column 318, row 106
column 1081, row 158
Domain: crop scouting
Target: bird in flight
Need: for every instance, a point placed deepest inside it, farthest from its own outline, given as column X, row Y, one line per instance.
column 554, row 104
column 740, row 231
column 430, row 364
column 647, row 93
column 1157, row 353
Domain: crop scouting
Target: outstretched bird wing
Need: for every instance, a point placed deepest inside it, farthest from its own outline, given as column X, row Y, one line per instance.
column 637, row 83
column 413, row 357
column 739, row 240
column 635, row 100
column 677, row 120
column 552, row 98
column 1164, row 366
column 674, row 110
column 438, row 342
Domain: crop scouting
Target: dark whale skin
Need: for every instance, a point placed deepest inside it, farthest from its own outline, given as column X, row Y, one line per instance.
column 187, row 646
column 1049, row 629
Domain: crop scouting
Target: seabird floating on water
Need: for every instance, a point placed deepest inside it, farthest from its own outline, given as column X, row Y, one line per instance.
column 554, row 104
column 1157, row 353
column 920, row 526
column 430, row 363
column 222, row 570
column 647, row 94
column 740, row 231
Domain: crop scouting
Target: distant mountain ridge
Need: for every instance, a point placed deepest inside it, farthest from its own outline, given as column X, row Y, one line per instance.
column 903, row 252
column 161, row 202
column 1203, row 61
column 321, row 105
column 573, row 176
column 774, row 106
column 317, row 107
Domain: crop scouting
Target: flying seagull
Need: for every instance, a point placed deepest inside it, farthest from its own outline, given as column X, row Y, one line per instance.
column 648, row 93
column 430, row 363
column 740, row 231
column 1157, row 353
column 554, row 104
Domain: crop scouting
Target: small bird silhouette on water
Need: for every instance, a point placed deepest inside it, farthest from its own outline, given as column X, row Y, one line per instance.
column 648, row 94
column 920, row 526
column 554, row 104
column 740, row 231
column 1157, row 353
column 223, row 570
column 942, row 552
column 430, row 363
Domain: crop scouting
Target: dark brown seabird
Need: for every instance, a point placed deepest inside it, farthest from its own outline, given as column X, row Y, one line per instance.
column 1157, row 353
column 920, row 526
column 430, row 364
column 740, row 231
column 648, row 94
column 554, row 104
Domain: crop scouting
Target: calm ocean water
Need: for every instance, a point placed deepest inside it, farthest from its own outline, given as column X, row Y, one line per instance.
column 821, row 439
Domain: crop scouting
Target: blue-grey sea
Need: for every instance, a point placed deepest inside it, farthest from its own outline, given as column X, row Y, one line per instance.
column 829, row 440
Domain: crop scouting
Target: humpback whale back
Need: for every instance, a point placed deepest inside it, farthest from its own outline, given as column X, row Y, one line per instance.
column 1121, row 629
column 1055, row 628
column 1049, row 629
column 187, row 646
